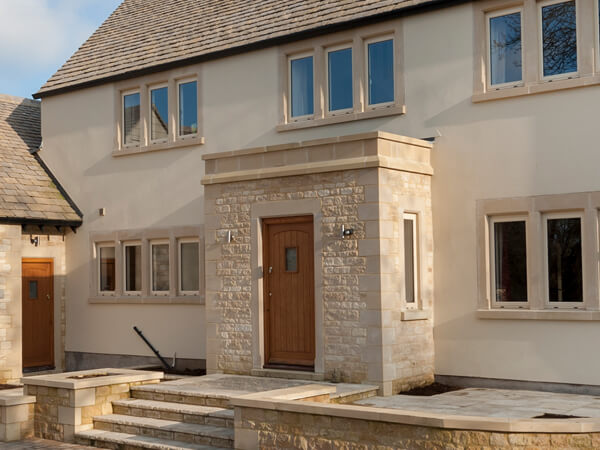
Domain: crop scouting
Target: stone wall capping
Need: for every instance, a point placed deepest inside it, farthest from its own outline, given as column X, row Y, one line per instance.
column 13, row 397
column 64, row 380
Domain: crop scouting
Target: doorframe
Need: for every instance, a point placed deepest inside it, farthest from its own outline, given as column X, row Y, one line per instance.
column 25, row 260
column 285, row 208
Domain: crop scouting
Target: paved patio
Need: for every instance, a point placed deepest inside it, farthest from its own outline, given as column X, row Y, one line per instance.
column 40, row 444
column 493, row 403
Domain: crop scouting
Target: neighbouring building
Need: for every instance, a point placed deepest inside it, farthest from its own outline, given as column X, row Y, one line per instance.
column 373, row 191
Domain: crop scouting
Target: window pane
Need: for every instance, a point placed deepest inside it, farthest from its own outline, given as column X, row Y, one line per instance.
column 190, row 262
column 302, row 86
column 133, row 268
column 33, row 289
column 559, row 38
column 159, row 113
column 409, row 260
column 291, row 259
column 510, row 261
column 107, row 268
column 188, row 108
column 160, row 267
column 381, row 72
column 505, row 48
column 565, row 281
column 131, row 119
column 340, row 79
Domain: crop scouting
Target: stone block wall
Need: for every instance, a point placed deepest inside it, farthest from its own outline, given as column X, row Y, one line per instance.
column 10, row 303
column 16, row 422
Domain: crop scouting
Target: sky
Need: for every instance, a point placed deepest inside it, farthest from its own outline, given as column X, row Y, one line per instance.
column 38, row 36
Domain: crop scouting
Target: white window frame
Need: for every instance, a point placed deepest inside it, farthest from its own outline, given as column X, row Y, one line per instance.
column 151, row 287
column 177, row 113
column 123, row 95
column 124, row 270
column 562, row 76
column 367, row 42
column 416, row 272
column 492, row 220
column 179, row 288
column 563, row 215
column 291, row 58
column 99, row 246
column 488, row 68
column 150, row 89
column 328, row 50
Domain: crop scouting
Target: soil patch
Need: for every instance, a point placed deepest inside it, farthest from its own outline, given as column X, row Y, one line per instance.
column 92, row 375
column 432, row 389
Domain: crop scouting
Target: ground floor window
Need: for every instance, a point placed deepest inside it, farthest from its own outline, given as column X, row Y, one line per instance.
column 509, row 260
column 411, row 279
column 106, row 258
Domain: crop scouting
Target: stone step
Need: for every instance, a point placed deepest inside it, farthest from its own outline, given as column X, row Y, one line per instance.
column 166, row 429
column 174, row 394
column 125, row 441
column 180, row 412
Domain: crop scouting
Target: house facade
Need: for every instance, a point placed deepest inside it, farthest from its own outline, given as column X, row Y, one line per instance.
column 376, row 193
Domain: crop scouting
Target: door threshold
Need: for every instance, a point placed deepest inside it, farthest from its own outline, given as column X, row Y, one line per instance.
column 288, row 374
column 39, row 370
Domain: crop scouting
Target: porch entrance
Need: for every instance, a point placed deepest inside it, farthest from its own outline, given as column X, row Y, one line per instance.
column 38, row 312
column 289, row 299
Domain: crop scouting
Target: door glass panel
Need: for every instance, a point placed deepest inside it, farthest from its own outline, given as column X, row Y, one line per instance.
column 291, row 259
column 33, row 289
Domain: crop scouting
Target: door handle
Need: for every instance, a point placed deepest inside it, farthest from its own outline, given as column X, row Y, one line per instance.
column 48, row 296
column 270, row 270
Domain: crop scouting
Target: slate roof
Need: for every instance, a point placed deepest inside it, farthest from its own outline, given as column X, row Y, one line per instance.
column 28, row 193
column 145, row 34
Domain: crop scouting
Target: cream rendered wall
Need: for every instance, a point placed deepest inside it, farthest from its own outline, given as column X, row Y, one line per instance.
column 532, row 145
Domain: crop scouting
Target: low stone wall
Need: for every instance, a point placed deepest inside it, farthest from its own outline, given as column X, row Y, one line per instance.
column 66, row 406
column 16, row 415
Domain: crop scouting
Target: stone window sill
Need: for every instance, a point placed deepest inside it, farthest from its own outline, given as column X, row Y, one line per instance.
column 531, row 314
column 391, row 110
column 148, row 300
column 417, row 314
column 536, row 88
column 182, row 143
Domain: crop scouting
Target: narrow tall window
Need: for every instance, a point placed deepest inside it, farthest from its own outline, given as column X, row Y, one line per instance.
column 107, row 268
column 564, row 253
column 159, row 114
column 302, row 86
column 188, row 108
column 381, row 71
column 505, row 48
column 133, row 268
column 189, row 266
column 340, row 79
column 559, row 38
column 131, row 119
column 160, row 267
column 410, row 259
column 510, row 261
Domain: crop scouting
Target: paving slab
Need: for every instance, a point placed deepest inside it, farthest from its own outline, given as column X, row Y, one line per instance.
column 498, row 403
column 41, row 444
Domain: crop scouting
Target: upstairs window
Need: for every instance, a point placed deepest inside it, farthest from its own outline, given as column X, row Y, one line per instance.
column 159, row 114
column 558, row 38
column 188, row 108
column 302, row 86
column 380, row 67
column 504, row 46
column 131, row 119
column 339, row 65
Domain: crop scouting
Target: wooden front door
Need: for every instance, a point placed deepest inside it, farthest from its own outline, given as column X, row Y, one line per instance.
column 38, row 313
column 289, row 303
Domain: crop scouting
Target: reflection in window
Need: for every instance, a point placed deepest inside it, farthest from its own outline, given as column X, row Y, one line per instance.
column 510, row 261
column 565, row 280
column 291, row 259
column 559, row 38
column 188, row 108
column 131, row 119
column 340, row 79
column 33, row 289
column 160, row 267
column 133, row 268
column 189, row 266
column 107, row 269
column 410, row 252
column 302, row 86
column 505, row 48
column 381, row 72
column 159, row 113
